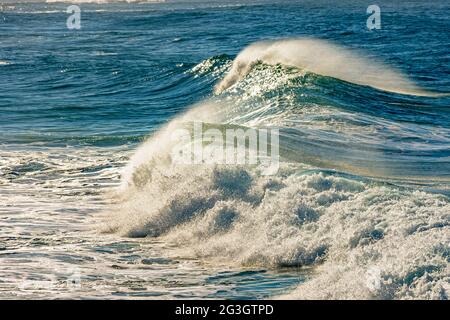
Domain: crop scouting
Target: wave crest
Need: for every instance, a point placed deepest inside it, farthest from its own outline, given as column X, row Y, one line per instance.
column 324, row 58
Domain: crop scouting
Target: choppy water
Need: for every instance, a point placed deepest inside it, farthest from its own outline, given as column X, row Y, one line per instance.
column 359, row 208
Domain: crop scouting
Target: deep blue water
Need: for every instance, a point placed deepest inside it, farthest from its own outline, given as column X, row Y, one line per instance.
column 125, row 72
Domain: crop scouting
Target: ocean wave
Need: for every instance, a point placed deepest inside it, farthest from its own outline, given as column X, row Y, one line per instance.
column 105, row 1
column 332, row 206
column 215, row 66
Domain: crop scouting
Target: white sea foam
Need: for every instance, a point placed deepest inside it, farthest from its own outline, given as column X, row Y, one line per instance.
column 342, row 227
column 324, row 58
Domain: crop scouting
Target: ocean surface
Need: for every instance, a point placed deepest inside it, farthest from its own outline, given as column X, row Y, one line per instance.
column 92, row 207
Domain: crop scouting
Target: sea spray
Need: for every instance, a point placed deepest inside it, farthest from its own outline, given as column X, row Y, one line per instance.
column 363, row 235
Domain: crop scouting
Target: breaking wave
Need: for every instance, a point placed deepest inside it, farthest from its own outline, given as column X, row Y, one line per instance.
column 324, row 58
column 360, row 196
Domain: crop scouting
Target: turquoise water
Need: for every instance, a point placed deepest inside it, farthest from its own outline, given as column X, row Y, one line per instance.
column 364, row 145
